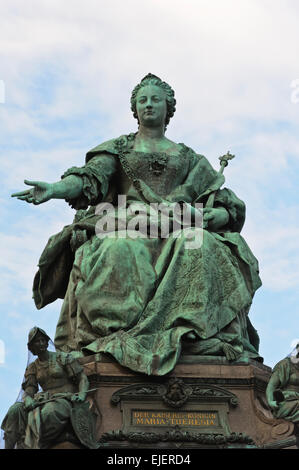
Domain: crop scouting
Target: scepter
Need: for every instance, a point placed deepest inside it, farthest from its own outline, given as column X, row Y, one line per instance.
column 223, row 163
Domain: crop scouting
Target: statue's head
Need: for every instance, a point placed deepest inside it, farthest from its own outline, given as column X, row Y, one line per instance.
column 38, row 340
column 164, row 93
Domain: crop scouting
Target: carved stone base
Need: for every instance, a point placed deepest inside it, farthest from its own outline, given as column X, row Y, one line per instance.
column 203, row 403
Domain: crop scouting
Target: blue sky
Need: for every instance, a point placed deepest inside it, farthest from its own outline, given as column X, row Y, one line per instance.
column 68, row 70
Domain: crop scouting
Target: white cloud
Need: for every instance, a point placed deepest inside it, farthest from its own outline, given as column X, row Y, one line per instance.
column 69, row 69
column 230, row 69
column 228, row 61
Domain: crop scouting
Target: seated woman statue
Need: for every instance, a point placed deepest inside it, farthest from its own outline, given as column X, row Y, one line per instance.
column 283, row 389
column 57, row 413
column 147, row 299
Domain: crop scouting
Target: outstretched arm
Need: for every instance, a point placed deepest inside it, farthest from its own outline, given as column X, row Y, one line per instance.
column 68, row 188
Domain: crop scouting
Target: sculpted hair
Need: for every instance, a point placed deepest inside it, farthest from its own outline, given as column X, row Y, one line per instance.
column 151, row 79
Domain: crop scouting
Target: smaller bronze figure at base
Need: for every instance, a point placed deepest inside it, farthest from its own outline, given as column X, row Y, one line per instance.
column 60, row 411
column 283, row 389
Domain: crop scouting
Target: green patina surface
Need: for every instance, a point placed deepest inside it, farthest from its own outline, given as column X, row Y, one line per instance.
column 53, row 405
column 283, row 389
column 146, row 301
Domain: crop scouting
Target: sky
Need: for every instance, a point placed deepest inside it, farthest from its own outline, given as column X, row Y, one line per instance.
column 67, row 70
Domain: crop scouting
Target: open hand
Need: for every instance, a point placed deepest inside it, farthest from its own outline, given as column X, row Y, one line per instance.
column 41, row 192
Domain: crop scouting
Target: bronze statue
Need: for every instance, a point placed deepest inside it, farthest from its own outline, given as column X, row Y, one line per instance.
column 60, row 411
column 283, row 389
column 145, row 300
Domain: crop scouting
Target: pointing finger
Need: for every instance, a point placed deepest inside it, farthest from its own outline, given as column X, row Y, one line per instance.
column 21, row 193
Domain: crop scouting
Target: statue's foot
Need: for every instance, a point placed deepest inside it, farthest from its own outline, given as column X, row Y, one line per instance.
column 209, row 347
column 230, row 353
column 201, row 347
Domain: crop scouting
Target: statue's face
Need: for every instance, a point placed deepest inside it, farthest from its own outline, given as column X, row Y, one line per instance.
column 151, row 106
column 39, row 344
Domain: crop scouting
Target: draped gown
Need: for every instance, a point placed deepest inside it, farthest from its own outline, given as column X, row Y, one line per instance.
column 136, row 299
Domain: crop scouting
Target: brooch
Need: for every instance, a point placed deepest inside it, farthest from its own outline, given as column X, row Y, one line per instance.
column 158, row 163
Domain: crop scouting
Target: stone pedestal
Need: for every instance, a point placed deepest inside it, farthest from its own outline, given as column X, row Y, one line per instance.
column 203, row 403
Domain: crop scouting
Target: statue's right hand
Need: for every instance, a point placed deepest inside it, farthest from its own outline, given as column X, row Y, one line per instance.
column 41, row 192
column 29, row 403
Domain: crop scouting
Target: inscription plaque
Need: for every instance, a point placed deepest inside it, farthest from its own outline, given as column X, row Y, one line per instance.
column 160, row 418
column 200, row 408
